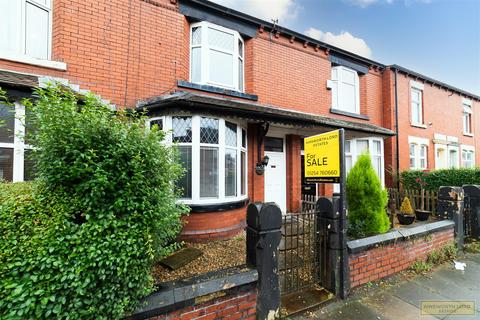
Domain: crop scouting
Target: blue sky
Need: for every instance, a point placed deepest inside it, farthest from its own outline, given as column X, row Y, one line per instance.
column 438, row 38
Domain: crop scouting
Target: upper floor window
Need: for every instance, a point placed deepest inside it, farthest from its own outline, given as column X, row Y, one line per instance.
column 467, row 119
column 417, row 106
column 25, row 28
column 216, row 56
column 345, row 90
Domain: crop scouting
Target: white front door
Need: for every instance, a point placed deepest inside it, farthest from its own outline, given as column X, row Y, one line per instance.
column 275, row 173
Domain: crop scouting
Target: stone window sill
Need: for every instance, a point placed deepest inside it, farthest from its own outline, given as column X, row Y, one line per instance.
column 213, row 89
column 57, row 65
column 419, row 125
column 349, row 114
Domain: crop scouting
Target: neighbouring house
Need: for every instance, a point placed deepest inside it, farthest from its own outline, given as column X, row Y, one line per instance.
column 237, row 94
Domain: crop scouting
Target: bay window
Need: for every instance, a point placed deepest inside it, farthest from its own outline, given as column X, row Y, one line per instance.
column 345, row 90
column 213, row 152
column 15, row 159
column 216, row 56
column 26, row 28
column 356, row 147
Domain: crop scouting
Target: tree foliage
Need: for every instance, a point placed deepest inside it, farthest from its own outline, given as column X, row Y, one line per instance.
column 366, row 199
column 79, row 242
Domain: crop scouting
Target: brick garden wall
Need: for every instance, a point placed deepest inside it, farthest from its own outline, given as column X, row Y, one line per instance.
column 385, row 260
column 237, row 304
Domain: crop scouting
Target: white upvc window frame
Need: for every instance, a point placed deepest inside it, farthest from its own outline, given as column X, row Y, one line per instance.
column 237, row 54
column 418, row 145
column 196, row 145
column 416, row 107
column 467, row 117
column 354, row 153
column 19, row 53
column 456, row 161
column 466, row 149
column 18, row 145
column 336, row 87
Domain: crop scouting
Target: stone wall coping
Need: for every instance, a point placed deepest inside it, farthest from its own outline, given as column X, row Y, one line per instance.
column 182, row 293
column 401, row 234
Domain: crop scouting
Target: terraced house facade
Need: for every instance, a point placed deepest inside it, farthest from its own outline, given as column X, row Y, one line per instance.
column 236, row 94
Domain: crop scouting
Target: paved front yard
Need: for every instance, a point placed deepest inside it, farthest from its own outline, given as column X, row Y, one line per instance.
column 400, row 298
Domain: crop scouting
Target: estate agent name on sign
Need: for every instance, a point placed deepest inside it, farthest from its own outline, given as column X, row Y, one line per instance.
column 322, row 157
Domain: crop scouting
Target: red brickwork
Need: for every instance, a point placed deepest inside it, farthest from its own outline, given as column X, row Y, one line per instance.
column 442, row 111
column 383, row 261
column 233, row 306
column 209, row 226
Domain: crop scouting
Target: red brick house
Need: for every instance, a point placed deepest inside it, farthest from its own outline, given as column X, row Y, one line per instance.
column 233, row 90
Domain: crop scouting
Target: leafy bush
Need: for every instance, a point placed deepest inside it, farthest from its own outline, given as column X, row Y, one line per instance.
column 406, row 207
column 367, row 200
column 437, row 178
column 79, row 243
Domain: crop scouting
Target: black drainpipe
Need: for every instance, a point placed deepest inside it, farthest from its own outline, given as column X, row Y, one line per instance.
column 396, row 132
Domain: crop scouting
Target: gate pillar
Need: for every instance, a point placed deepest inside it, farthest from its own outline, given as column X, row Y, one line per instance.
column 264, row 221
column 450, row 206
column 333, row 253
column 472, row 192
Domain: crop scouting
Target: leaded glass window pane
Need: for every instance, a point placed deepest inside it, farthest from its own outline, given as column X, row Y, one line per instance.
column 209, row 130
column 182, row 129
column 230, row 134
column 208, row 172
column 196, row 36
column 220, row 39
column 158, row 123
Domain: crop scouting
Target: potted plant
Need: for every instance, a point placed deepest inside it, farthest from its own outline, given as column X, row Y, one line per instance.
column 422, row 214
column 405, row 216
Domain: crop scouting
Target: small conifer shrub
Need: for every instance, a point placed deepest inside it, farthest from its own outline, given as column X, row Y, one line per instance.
column 367, row 200
column 406, row 207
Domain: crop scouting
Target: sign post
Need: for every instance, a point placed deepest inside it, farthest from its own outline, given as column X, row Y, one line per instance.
column 325, row 163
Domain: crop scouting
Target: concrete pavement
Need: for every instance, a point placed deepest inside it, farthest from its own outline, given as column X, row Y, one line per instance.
column 400, row 297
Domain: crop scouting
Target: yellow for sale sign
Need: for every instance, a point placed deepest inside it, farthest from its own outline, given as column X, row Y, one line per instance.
column 322, row 157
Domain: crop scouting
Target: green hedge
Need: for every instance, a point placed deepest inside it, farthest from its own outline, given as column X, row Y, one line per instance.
column 80, row 241
column 435, row 179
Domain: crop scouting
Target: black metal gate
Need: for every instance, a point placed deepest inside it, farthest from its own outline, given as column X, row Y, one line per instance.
column 302, row 261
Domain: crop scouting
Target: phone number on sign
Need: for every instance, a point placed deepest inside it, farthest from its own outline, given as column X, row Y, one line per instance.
column 322, row 172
